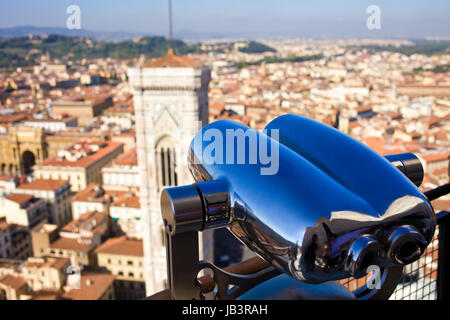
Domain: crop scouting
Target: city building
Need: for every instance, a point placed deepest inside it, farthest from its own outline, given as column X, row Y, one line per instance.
column 121, row 115
column 85, row 108
column 12, row 287
column 123, row 174
column 20, row 149
column 124, row 258
column 49, row 278
column 77, row 240
column 23, row 209
column 45, row 273
column 94, row 198
column 5, row 239
column 53, row 125
column 56, row 193
column 61, row 140
column 126, row 216
column 80, row 164
column 20, row 242
column 41, row 237
column 93, row 286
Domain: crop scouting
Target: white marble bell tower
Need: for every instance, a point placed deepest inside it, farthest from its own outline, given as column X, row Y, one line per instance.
column 171, row 105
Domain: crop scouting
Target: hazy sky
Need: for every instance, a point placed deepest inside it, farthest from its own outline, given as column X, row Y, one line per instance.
column 251, row 18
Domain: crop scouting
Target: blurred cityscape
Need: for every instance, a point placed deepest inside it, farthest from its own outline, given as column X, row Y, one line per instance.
column 88, row 139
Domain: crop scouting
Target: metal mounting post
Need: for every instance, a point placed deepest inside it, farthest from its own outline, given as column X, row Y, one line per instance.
column 182, row 265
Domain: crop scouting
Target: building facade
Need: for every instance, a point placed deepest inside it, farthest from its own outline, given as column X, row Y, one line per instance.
column 56, row 193
column 123, row 174
column 171, row 104
column 81, row 164
column 23, row 210
column 20, row 149
column 124, row 258
column 85, row 109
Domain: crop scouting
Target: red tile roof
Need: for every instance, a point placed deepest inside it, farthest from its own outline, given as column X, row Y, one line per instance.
column 95, row 193
column 128, row 159
column 13, row 282
column 70, row 244
column 127, row 201
column 92, row 221
column 122, row 246
column 43, row 184
column 85, row 161
column 92, row 286
column 436, row 157
column 20, row 198
column 171, row 60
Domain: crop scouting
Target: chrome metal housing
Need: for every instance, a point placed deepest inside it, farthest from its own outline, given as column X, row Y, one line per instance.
column 332, row 202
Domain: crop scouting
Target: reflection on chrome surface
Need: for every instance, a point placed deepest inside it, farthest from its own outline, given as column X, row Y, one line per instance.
column 333, row 208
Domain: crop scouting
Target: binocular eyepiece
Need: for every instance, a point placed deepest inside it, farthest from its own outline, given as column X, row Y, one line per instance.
column 319, row 206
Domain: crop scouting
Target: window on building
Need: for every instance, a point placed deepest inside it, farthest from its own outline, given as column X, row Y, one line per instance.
column 163, row 236
column 130, row 263
column 166, row 163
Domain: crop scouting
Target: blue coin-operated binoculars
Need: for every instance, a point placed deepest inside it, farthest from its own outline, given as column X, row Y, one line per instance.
column 316, row 204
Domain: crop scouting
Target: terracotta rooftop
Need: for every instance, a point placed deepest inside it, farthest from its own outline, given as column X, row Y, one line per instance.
column 122, row 246
column 12, row 281
column 69, row 244
column 127, row 201
column 45, row 295
column 86, row 161
column 128, row 159
column 89, row 221
column 53, row 263
column 436, row 157
column 171, row 60
column 92, row 286
column 20, row 198
column 43, row 184
column 381, row 146
column 95, row 193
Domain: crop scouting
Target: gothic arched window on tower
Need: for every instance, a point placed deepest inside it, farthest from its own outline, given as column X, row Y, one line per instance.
column 166, row 163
